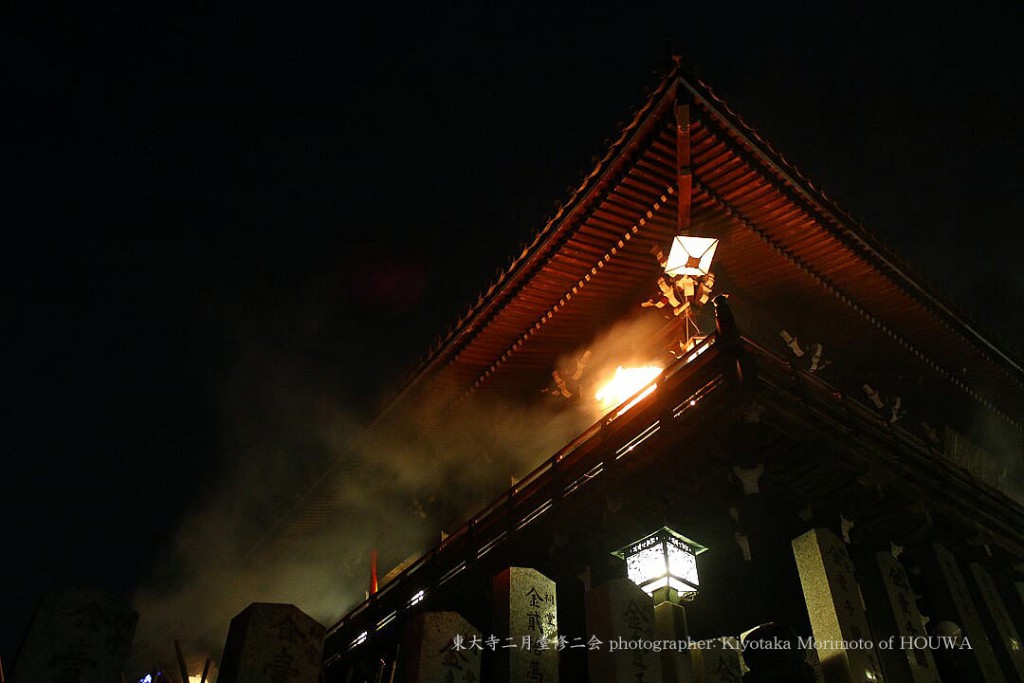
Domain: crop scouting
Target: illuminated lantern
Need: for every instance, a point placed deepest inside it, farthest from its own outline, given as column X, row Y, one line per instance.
column 691, row 256
column 663, row 560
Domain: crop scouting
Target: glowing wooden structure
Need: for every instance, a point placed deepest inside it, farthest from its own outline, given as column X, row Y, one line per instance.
column 795, row 420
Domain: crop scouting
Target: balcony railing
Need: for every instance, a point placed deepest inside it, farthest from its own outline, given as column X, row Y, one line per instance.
column 599, row 450
column 607, row 445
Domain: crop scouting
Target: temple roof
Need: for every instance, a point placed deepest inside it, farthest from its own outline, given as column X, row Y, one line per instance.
column 791, row 257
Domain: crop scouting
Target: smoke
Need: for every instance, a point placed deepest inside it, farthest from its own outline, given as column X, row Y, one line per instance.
column 307, row 490
column 281, row 433
column 996, row 449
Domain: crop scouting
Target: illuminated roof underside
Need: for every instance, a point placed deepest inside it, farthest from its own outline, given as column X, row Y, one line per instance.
column 782, row 244
column 780, row 238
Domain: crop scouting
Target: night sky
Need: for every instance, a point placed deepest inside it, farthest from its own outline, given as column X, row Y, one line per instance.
column 198, row 195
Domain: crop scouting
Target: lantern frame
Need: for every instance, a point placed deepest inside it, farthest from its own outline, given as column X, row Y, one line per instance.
column 663, row 559
column 691, row 256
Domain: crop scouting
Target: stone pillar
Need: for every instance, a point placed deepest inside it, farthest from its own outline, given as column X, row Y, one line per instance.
column 670, row 624
column 894, row 617
column 272, row 642
column 619, row 610
column 1007, row 643
column 80, row 635
column 526, row 616
column 951, row 601
column 437, row 648
column 718, row 661
column 835, row 607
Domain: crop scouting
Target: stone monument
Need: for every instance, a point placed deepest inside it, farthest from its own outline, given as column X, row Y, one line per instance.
column 893, row 614
column 836, row 610
column 439, row 647
column 1008, row 645
column 525, row 618
column 80, row 635
column 619, row 611
column 952, row 603
column 272, row 643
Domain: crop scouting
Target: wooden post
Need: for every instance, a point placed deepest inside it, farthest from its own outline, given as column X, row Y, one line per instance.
column 181, row 661
column 394, row 664
column 684, row 176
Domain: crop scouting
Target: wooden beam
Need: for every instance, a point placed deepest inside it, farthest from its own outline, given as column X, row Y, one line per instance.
column 684, row 175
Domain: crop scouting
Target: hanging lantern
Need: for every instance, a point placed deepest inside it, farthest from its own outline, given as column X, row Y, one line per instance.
column 691, row 256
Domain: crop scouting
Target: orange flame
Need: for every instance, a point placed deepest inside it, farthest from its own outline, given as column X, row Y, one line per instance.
column 625, row 383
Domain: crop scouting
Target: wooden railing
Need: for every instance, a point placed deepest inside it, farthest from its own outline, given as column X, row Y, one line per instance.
column 603, row 448
column 598, row 451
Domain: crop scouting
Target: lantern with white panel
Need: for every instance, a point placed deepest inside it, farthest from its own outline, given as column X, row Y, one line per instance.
column 664, row 565
column 691, row 256
column 687, row 282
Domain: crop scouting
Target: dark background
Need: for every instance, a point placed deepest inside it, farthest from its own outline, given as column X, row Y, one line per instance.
column 187, row 190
